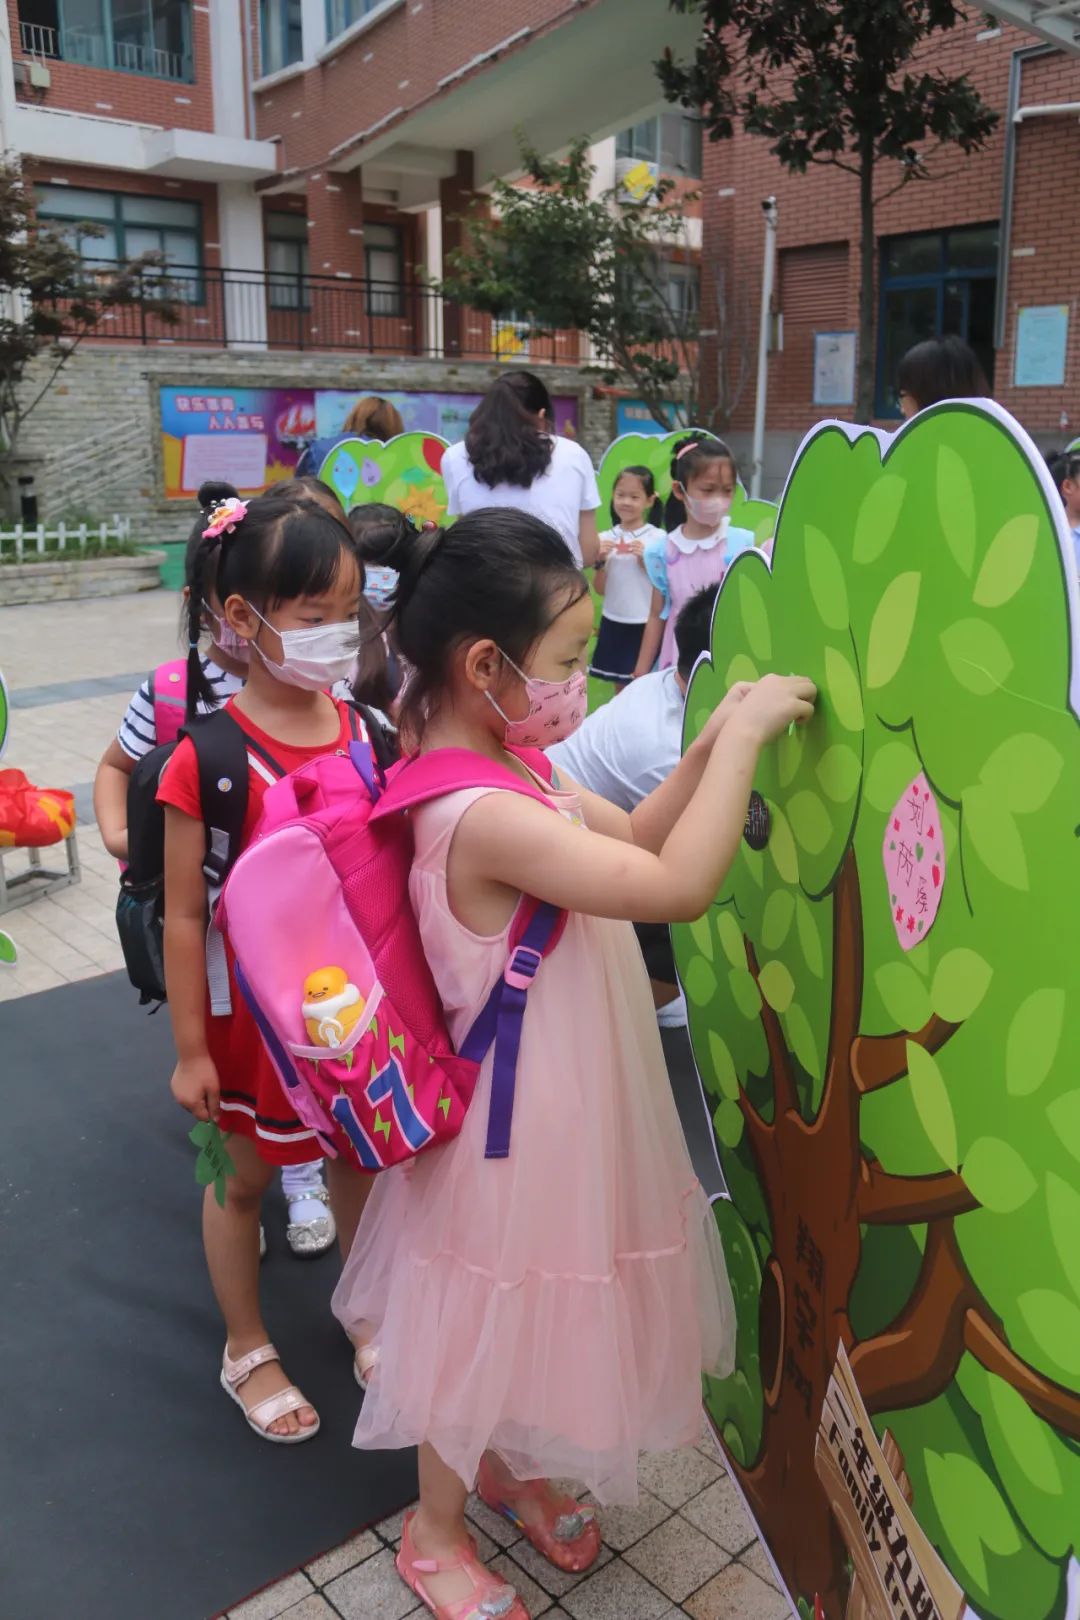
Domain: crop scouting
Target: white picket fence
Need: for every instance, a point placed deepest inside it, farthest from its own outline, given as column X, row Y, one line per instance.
column 26, row 544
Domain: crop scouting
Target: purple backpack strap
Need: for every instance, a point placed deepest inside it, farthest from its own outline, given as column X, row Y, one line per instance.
column 536, row 931
column 501, row 1019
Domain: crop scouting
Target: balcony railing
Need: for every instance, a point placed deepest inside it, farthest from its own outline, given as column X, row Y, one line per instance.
column 92, row 49
column 247, row 309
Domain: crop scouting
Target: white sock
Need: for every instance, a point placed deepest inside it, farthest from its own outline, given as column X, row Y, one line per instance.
column 297, row 1182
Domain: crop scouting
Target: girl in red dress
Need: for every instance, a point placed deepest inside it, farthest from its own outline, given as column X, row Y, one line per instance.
column 290, row 584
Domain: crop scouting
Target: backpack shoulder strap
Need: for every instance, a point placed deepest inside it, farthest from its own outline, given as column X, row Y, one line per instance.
column 221, row 751
column 168, row 688
column 424, row 777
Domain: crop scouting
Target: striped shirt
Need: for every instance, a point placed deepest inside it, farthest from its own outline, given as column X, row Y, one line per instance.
column 138, row 731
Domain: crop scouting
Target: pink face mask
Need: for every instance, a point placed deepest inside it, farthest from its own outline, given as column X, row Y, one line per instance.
column 556, row 710
column 708, row 509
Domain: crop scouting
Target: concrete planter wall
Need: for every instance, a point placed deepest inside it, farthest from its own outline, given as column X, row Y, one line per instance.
column 68, row 579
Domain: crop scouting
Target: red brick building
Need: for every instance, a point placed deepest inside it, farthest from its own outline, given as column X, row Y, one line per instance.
column 302, row 162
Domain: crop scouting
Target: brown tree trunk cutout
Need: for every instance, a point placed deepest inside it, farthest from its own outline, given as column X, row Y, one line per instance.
column 817, row 1247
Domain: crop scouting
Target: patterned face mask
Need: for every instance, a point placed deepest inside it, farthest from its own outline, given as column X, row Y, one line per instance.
column 556, row 710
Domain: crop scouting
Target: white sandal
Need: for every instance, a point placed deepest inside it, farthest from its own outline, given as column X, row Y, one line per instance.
column 263, row 1413
column 365, row 1361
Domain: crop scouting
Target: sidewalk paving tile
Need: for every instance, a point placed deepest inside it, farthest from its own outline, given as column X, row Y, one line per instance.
column 676, row 1476
column 346, row 1556
column 719, row 1512
column 372, row 1591
column 677, row 1558
column 273, row 1600
column 737, row 1594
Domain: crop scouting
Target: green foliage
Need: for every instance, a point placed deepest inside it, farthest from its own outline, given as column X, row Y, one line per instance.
column 559, row 256
column 840, row 82
column 50, row 300
column 915, row 527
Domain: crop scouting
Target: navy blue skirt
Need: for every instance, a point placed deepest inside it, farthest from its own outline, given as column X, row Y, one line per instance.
column 616, row 653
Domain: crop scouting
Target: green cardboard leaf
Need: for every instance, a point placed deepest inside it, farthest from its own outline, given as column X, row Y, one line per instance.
column 890, row 629
column 932, row 1104
column 1024, row 770
column 1026, row 1436
column 1008, row 561
column 971, row 1511
column 893, row 767
column 699, row 982
column 702, row 935
column 781, row 845
column 839, row 771
column 956, row 506
column 842, row 689
column 1064, row 1117
column 1063, row 1210
column 731, row 938
column 810, row 821
column 723, row 1067
column 754, row 617
column 997, row 1175
column 729, row 1123
column 877, row 517
column 9, row 953
column 1034, row 1037
column 777, row 918
column 1054, row 1324
column 994, row 836
column 801, row 1040
column 741, row 668
column 903, row 995
column 744, row 992
column 961, row 980
column 809, row 938
column 977, row 655
column 776, row 985
column 826, row 580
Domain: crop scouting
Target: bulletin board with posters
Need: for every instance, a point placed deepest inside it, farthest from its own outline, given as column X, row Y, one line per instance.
column 254, row 437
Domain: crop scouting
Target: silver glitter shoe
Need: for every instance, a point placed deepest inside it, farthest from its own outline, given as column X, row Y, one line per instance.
column 309, row 1238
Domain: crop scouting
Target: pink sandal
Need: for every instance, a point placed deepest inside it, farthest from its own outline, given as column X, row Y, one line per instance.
column 568, row 1537
column 263, row 1413
column 490, row 1599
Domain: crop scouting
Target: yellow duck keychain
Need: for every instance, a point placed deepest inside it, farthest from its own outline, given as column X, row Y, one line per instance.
column 332, row 1006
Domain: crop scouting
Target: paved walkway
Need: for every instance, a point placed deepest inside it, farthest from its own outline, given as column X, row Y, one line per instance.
column 687, row 1548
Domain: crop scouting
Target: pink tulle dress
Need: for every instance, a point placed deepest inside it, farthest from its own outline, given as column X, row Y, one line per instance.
column 559, row 1305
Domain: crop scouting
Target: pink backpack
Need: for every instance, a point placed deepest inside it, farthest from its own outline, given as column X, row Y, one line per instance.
column 329, row 958
column 168, row 687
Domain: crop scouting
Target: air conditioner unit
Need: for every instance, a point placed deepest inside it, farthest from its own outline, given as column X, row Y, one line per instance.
column 20, row 72
column 635, row 179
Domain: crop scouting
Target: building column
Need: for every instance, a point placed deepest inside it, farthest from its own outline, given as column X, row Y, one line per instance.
column 229, row 88
column 335, row 212
column 456, row 197
column 240, row 227
column 313, row 26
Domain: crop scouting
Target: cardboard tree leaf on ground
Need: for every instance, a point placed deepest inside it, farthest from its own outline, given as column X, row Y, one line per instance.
column 898, row 1118
column 655, row 452
column 404, row 472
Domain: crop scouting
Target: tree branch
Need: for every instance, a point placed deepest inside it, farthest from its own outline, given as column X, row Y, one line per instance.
column 916, row 1357
column 1056, row 1405
column 888, row 1200
column 847, row 980
column 785, row 1092
column 880, row 1060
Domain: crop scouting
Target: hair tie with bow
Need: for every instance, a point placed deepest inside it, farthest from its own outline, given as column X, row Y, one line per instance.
column 224, row 518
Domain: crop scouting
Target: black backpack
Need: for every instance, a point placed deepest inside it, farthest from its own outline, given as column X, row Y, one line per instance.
column 221, row 748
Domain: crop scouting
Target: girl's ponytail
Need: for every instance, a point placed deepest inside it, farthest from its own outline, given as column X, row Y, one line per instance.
column 199, row 689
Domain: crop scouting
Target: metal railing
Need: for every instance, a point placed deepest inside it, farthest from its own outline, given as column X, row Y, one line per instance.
column 37, row 39
column 87, row 48
column 219, row 308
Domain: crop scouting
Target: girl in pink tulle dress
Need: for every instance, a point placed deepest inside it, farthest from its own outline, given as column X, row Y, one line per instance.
column 547, row 1315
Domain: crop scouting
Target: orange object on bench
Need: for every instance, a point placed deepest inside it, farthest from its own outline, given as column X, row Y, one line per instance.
column 32, row 817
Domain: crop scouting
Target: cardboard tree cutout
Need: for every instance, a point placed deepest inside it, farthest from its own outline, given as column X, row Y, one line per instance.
column 655, row 452
column 404, row 472
column 886, row 1023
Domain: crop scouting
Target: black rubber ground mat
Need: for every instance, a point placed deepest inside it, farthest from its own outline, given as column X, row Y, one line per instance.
column 130, row 1486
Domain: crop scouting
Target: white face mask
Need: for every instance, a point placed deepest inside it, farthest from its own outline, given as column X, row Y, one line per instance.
column 313, row 658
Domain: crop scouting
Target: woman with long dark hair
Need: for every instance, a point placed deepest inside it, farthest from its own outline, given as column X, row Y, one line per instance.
column 512, row 457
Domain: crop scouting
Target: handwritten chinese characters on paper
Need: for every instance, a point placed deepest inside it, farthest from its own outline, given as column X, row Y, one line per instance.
column 914, row 858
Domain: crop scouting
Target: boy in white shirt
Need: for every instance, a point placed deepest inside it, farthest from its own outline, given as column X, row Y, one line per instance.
column 626, row 749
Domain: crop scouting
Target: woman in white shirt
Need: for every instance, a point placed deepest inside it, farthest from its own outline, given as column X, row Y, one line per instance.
column 511, row 457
